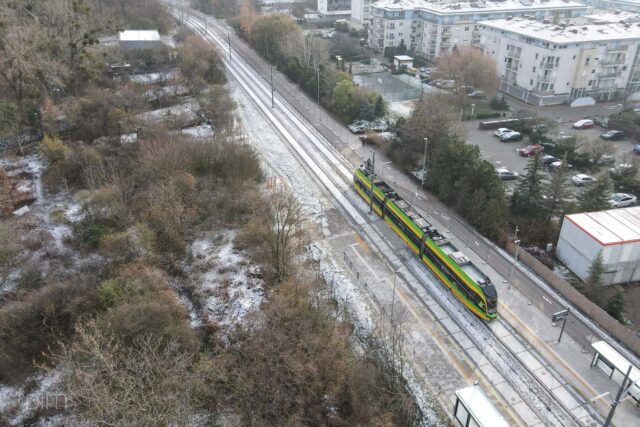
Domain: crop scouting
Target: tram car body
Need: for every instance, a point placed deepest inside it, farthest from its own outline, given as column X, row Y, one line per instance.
column 465, row 281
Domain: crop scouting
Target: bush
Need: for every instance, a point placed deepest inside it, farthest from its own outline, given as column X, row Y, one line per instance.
column 33, row 326
column 498, row 103
column 52, row 149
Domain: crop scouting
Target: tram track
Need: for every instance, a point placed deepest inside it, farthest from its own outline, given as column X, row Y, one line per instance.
column 321, row 159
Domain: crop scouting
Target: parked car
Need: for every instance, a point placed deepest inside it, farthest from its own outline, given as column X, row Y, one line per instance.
column 582, row 179
column 548, row 159
column 506, row 174
column 583, row 124
column 612, row 135
column 557, row 165
column 623, row 169
column 530, row 150
column 622, row 200
column 636, row 149
column 477, row 94
column 606, row 159
column 511, row 136
column 501, row 131
column 549, row 145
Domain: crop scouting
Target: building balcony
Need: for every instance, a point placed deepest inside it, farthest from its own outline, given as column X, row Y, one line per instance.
column 609, row 74
column 617, row 49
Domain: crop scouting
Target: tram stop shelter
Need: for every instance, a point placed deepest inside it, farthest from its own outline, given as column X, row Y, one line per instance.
column 615, row 366
column 474, row 409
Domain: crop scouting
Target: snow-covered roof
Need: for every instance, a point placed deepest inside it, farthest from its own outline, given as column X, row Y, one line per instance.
column 403, row 58
column 614, row 16
column 558, row 34
column 139, row 35
column 610, row 227
column 480, row 407
column 455, row 7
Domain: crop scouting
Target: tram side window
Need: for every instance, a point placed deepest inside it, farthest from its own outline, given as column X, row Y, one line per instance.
column 462, row 415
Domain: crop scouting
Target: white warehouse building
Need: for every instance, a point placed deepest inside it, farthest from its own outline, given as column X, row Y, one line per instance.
column 431, row 28
column 615, row 233
column 544, row 64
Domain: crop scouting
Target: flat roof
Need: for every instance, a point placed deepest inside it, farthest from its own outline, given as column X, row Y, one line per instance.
column 557, row 34
column 480, row 407
column 138, row 35
column 403, row 58
column 456, row 7
column 614, row 16
column 616, row 359
column 610, row 227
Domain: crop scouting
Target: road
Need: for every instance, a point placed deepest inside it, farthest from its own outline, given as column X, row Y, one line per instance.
column 324, row 126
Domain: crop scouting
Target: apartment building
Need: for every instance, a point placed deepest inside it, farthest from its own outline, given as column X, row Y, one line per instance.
column 628, row 5
column 360, row 12
column 544, row 63
column 431, row 28
column 335, row 8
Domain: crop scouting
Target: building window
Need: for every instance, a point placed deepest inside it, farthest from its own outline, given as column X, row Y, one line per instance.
column 593, row 71
column 534, row 69
column 536, row 56
column 590, row 83
column 530, row 82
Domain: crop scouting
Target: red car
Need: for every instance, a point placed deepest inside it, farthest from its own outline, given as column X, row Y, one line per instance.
column 583, row 124
column 530, row 150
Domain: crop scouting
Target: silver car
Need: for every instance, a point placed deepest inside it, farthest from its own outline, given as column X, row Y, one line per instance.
column 622, row 200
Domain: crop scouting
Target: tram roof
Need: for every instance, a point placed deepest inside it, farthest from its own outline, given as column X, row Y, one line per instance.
column 616, row 359
column 480, row 407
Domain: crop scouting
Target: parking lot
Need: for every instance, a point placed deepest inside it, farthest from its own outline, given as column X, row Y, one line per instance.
column 502, row 154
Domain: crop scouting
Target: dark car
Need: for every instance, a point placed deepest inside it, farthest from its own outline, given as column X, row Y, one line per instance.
column 506, row 174
column 612, row 135
column 548, row 159
column 511, row 136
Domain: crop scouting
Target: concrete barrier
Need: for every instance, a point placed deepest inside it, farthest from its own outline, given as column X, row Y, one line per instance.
column 592, row 310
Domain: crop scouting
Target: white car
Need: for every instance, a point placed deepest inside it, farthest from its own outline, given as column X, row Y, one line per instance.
column 502, row 131
column 622, row 200
column 582, row 179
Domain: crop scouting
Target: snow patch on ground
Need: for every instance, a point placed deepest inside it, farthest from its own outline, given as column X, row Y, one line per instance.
column 19, row 404
column 402, row 108
column 229, row 287
column 204, row 130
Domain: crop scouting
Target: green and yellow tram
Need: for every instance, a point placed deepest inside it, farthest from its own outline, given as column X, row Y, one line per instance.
column 465, row 281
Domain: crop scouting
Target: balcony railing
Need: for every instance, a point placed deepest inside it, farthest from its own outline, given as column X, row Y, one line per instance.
column 609, row 74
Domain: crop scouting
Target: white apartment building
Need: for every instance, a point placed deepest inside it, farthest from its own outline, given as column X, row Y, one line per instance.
column 544, row 63
column 361, row 12
column 334, row 8
column 430, row 28
column 629, row 5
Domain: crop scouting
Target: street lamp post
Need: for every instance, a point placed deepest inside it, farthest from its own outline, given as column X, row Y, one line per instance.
column 424, row 163
column 318, row 70
column 473, row 106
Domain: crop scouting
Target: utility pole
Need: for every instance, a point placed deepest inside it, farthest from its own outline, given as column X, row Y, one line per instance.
column 373, row 173
column 272, row 104
column 424, row 163
column 615, row 403
column 318, row 70
column 229, row 38
column 515, row 260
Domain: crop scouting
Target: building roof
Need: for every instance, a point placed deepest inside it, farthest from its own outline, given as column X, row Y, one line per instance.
column 611, row 227
column 460, row 7
column 138, row 35
column 403, row 58
column 479, row 405
column 614, row 16
column 559, row 34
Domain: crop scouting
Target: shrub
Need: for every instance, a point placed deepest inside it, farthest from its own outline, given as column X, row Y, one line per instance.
column 36, row 324
column 498, row 103
column 53, row 149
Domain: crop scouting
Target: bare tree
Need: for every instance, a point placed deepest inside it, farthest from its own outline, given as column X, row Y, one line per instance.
column 286, row 220
column 468, row 67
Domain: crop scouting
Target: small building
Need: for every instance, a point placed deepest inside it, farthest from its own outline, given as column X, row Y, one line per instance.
column 139, row 39
column 615, row 233
column 400, row 61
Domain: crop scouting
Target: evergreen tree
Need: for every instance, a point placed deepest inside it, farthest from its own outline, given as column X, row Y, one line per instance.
column 527, row 199
column 380, row 108
column 615, row 307
column 596, row 270
column 596, row 197
column 556, row 192
column 402, row 48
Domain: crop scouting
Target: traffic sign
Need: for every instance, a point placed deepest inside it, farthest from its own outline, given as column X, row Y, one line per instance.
column 559, row 315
